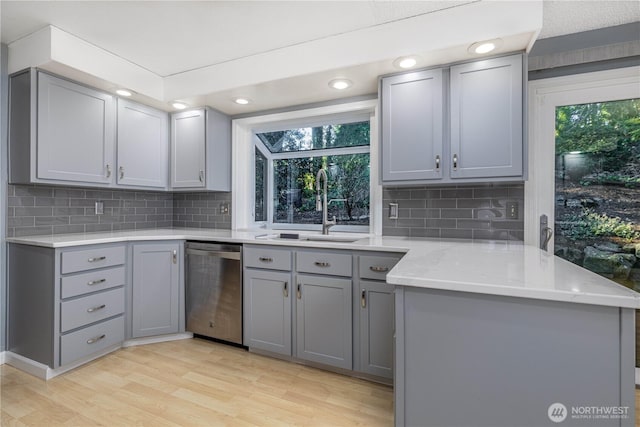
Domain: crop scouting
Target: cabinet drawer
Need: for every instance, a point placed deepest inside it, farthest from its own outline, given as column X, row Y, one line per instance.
column 88, row 259
column 71, row 286
column 89, row 340
column 269, row 258
column 376, row 267
column 335, row 264
column 92, row 308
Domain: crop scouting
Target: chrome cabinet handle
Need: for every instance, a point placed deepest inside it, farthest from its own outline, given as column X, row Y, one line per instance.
column 96, row 259
column 108, row 171
column 96, row 282
column 96, row 308
column 322, row 264
column 201, row 176
column 299, row 292
column 265, row 259
column 96, row 339
column 455, row 162
column 175, row 257
column 363, row 299
column 285, row 291
column 379, row 269
column 121, row 172
column 437, row 163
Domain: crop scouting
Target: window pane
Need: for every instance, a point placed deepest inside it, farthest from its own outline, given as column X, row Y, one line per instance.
column 261, row 188
column 348, row 188
column 597, row 214
column 317, row 138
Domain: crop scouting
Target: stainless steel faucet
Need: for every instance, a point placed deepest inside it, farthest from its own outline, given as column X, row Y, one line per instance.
column 321, row 204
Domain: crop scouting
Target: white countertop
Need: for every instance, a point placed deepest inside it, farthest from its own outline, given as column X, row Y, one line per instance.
column 495, row 268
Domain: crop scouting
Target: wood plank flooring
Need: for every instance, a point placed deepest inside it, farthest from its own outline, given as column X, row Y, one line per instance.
column 192, row 383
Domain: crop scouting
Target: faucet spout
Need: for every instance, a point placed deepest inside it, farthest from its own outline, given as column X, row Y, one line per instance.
column 322, row 205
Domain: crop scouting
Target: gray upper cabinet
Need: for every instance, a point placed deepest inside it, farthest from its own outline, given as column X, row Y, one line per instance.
column 143, row 146
column 158, row 293
column 75, row 132
column 462, row 123
column 324, row 320
column 200, row 150
column 59, row 132
column 412, row 126
column 486, row 118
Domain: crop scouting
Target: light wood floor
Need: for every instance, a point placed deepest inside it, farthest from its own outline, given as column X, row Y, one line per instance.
column 192, row 383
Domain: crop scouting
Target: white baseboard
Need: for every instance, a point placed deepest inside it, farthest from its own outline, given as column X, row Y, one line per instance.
column 160, row 338
column 2, row 357
column 44, row 372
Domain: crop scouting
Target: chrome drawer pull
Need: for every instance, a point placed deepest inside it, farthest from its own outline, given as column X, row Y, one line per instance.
column 96, row 282
column 437, row 163
column 322, row 264
column 201, row 176
column 455, row 162
column 363, row 299
column 96, row 308
column 108, row 171
column 98, row 258
column 299, row 292
column 378, row 269
column 174, row 257
column 265, row 259
column 286, row 290
column 96, row 339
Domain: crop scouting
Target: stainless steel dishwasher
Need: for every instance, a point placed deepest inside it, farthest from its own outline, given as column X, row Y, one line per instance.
column 214, row 290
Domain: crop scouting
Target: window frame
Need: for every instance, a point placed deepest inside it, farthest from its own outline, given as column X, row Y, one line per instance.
column 243, row 157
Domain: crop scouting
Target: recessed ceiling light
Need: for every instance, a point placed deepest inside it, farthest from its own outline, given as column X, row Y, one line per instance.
column 179, row 105
column 405, row 62
column 124, row 92
column 480, row 48
column 340, row 84
column 242, row 101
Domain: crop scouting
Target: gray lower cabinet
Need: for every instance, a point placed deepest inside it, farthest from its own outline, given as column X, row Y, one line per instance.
column 482, row 360
column 157, row 289
column 200, row 150
column 60, row 132
column 323, row 320
column 374, row 306
column 267, row 310
column 143, row 146
column 65, row 305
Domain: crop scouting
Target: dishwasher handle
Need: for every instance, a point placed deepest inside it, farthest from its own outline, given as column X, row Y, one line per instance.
column 217, row 254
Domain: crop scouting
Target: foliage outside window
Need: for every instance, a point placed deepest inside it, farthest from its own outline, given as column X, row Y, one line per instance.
column 293, row 158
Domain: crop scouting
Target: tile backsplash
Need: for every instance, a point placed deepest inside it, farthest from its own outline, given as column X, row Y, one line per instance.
column 477, row 211
column 40, row 209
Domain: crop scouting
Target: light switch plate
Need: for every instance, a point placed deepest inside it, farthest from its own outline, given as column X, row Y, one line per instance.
column 224, row 208
column 99, row 207
column 512, row 210
column 393, row 211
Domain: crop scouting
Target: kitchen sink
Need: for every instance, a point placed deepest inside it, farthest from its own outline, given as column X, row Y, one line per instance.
column 313, row 237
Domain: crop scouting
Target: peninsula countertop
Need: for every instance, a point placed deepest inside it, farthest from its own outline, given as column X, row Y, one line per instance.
column 485, row 267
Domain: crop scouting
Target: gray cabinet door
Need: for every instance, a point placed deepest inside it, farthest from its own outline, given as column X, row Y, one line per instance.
column 376, row 308
column 324, row 320
column 156, row 289
column 412, row 126
column 486, row 118
column 143, row 145
column 188, row 138
column 76, row 129
column 267, row 310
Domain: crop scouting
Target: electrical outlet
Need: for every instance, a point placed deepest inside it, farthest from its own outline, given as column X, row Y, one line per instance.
column 512, row 210
column 99, row 207
column 224, row 208
column 393, row 211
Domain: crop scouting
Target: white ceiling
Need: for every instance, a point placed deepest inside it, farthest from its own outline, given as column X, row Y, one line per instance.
column 235, row 42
